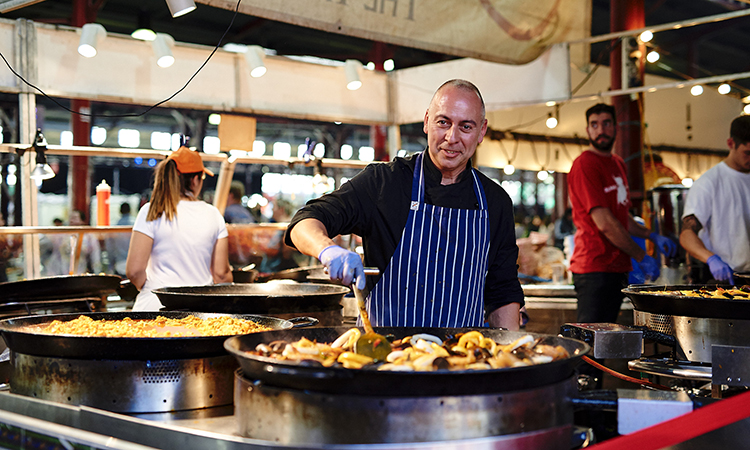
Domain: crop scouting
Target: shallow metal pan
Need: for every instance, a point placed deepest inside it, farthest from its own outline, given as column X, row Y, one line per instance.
column 20, row 339
column 369, row 381
column 252, row 298
column 646, row 299
column 60, row 287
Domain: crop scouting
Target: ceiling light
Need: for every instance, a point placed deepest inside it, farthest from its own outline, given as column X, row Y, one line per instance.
column 214, row 119
column 352, row 74
column 687, row 182
column 646, row 36
column 91, row 34
column 42, row 171
column 180, row 7
column 724, row 89
column 254, row 57
column 551, row 121
column 551, row 103
column 746, row 109
column 696, row 90
column 509, row 169
column 370, row 66
column 652, row 56
column 542, row 175
column 144, row 31
column 162, row 46
column 389, row 65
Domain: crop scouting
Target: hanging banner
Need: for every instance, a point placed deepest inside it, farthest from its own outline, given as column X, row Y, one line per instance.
column 504, row 31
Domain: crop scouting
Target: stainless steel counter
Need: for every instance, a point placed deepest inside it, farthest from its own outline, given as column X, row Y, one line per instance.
column 193, row 430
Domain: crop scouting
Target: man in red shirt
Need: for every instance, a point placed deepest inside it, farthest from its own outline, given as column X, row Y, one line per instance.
column 604, row 246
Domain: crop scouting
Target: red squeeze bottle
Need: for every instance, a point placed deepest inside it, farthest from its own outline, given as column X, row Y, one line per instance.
column 103, row 192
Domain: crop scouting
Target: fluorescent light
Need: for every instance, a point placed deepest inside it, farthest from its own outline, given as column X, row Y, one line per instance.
column 180, row 7
column 366, row 154
column 320, row 150
column 211, row 145
column 259, row 148
column 282, row 150
column 127, row 137
column 351, row 68
column 66, row 138
column 346, row 151
column 91, row 34
column 162, row 46
column 161, row 140
column 98, row 135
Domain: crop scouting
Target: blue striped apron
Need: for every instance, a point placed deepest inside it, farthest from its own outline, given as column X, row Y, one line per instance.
column 436, row 276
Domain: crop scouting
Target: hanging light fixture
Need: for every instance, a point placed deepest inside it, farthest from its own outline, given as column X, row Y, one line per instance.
column 162, row 46
column 91, row 34
column 254, row 57
column 144, row 31
column 42, row 171
column 180, row 7
column 652, row 56
column 509, row 169
column 351, row 68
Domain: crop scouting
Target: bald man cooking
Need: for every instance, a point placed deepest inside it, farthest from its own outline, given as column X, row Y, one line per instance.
column 441, row 232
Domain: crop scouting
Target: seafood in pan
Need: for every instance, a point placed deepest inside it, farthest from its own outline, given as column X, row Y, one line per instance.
column 418, row 352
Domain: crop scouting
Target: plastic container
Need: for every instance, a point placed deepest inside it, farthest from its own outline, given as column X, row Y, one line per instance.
column 103, row 192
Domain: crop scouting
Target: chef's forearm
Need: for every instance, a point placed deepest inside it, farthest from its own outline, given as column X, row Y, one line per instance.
column 507, row 316
column 690, row 241
column 310, row 237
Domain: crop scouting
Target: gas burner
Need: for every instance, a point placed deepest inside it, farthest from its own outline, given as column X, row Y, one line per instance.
column 667, row 367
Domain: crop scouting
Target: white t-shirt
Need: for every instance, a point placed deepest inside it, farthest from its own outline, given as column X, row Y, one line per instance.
column 720, row 200
column 181, row 254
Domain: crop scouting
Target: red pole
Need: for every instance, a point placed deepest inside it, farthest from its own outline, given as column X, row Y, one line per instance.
column 628, row 15
column 80, row 181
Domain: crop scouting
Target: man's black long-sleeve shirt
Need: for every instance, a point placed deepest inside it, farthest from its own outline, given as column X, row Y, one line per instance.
column 375, row 205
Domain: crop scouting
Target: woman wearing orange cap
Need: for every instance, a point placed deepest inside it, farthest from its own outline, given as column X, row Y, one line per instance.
column 177, row 240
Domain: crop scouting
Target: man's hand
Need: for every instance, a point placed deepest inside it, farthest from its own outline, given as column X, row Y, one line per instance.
column 343, row 265
column 720, row 270
column 650, row 267
column 664, row 244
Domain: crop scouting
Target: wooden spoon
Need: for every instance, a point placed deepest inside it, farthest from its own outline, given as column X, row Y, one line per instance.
column 371, row 344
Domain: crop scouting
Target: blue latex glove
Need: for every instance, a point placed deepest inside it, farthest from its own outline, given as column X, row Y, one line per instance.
column 720, row 270
column 343, row 265
column 650, row 267
column 664, row 244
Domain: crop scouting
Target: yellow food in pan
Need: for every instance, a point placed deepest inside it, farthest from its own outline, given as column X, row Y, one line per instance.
column 157, row 327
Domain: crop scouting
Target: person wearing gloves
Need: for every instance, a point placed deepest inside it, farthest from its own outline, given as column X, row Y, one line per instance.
column 604, row 246
column 177, row 240
column 440, row 232
column 716, row 218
